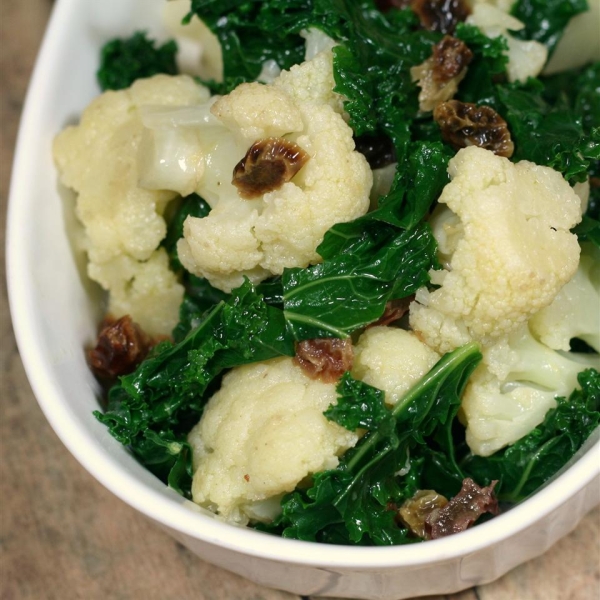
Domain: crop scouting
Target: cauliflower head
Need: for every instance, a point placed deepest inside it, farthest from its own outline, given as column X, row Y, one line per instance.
column 123, row 222
column 392, row 360
column 259, row 237
column 575, row 312
column 509, row 253
column 260, row 435
column 516, row 385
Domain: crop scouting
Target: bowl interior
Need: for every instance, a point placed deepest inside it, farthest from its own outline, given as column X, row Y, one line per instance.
column 55, row 311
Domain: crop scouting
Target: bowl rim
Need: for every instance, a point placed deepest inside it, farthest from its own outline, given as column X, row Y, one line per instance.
column 170, row 511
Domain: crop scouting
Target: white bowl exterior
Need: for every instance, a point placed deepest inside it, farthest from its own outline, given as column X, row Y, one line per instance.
column 405, row 581
column 54, row 318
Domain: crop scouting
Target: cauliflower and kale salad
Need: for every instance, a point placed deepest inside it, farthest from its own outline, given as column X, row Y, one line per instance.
column 351, row 251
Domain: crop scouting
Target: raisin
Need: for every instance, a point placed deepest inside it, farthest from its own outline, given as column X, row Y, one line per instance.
column 326, row 359
column 463, row 510
column 120, row 348
column 465, row 124
column 450, row 57
column 439, row 76
column 415, row 511
column 394, row 311
column 268, row 164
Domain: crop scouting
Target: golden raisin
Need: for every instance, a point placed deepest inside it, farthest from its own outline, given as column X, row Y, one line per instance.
column 450, row 57
column 439, row 76
column 465, row 124
column 415, row 511
column 326, row 359
column 268, row 164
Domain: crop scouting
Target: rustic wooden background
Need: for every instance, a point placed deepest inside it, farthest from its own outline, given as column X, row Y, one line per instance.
column 64, row 537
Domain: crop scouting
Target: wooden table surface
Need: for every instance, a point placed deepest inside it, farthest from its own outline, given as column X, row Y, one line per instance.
column 64, row 537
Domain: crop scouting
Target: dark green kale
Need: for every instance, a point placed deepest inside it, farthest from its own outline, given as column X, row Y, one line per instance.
column 487, row 67
column 551, row 135
column 355, row 502
column 125, row 60
column 382, row 256
column 192, row 205
column 372, row 70
column 579, row 91
column 526, row 465
column 152, row 409
column 545, row 20
column 252, row 32
column 199, row 295
column 416, row 186
column 349, row 290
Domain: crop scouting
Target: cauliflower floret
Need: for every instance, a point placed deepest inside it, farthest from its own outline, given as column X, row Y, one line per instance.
column 516, row 252
column 258, row 111
column 260, row 435
column 580, row 42
column 525, row 58
column 316, row 42
column 312, row 82
column 392, row 360
column 282, row 228
column 516, row 385
column 575, row 312
column 123, row 222
column 199, row 51
column 147, row 290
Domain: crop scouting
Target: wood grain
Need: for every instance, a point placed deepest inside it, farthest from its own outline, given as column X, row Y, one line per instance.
column 64, row 537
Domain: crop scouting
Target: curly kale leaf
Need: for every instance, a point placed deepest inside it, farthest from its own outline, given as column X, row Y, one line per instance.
column 252, row 32
column 199, row 295
column 122, row 61
column 548, row 134
column 349, row 290
column 354, row 503
column 489, row 63
column 359, row 406
column 152, row 409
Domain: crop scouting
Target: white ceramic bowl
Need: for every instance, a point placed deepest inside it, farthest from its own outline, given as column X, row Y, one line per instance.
column 54, row 317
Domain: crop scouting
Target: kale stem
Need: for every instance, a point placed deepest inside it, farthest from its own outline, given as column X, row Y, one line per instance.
column 433, row 379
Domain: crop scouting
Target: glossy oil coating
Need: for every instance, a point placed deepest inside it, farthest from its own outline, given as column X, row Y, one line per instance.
column 57, row 519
